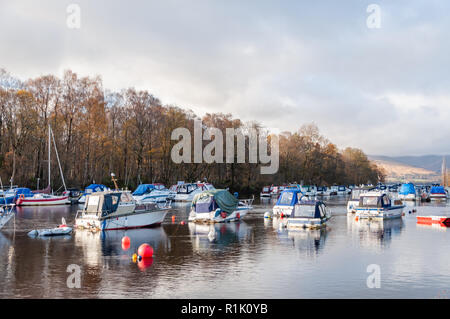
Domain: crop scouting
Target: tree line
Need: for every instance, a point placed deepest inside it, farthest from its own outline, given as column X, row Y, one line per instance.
column 98, row 132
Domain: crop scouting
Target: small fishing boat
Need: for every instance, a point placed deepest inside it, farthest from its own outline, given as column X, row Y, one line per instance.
column 93, row 188
column 309, row 214
column 61, row 230
column 112, row 210
column 353, row 202
column 334, row 190
column 187, row 191
column 376, row 204
column 287, row 201
column 407, row 192
column 151, row 193
column 6, row 213
column 218, row 206
column 266, row 192
column 438, row 193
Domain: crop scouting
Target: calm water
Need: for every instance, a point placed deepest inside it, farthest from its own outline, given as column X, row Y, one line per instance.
column 250, row 259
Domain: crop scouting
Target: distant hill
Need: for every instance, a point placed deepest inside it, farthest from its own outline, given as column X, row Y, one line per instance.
column 399, row 172
column 428, row 162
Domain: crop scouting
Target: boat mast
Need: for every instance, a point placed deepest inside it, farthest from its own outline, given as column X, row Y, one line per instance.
column 444, row 172
column 57, row 157
column 49, row 149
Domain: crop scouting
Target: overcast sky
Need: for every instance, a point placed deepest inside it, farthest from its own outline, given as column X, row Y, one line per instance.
column 283, row 63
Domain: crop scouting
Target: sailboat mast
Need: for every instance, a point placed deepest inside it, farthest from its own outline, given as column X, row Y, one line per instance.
column 59, row 163
column 49, row 149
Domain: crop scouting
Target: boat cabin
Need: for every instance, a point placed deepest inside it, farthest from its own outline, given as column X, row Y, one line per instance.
column 376, row 200
column 311, row 209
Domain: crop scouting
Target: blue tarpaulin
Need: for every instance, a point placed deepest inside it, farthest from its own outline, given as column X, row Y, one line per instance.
column 143, row 189
column 407, row 189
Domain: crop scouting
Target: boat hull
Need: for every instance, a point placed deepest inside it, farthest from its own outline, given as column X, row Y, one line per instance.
column 305, row 223
column 391, row 213
column 138, row 219
column 210, row 217
column 278, row 210
column 43, row 201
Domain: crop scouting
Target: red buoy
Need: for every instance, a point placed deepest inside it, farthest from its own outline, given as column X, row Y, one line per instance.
column 182, row 222
column 145, row 251
column 126, row 243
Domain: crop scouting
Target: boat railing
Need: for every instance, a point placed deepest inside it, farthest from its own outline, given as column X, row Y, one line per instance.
column 247, row 202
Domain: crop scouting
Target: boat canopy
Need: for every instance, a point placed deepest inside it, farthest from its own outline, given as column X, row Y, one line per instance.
column 214, row 198
column 289, row 197
column 407, row 189
column 144, row 189
column 93, row 188
column 309, row 209
column 438, row 190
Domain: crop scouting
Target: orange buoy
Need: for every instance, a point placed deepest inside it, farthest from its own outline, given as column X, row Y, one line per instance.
column 144, row 263
column 126, row 243
column 356, row 218
column 173, row 218
column 145, row 251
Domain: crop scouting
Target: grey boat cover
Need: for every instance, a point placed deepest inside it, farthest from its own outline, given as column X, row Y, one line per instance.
column 223, row 198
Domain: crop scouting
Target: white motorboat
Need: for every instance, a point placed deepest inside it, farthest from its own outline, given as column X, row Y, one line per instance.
column 407, row 192
column 376, row 204
column 309, row 214
column 287, row 201
column 187, row 191
column 151, row 193
column 353, row 202
column 218, row 206
column 113, row 210
column 266, row 192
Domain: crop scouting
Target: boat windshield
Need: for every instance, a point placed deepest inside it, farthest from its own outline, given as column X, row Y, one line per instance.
column 265, row 189
column 305, row 211
column 92, row 204
column 370, row 201
column 356, row 194
column 286, row 198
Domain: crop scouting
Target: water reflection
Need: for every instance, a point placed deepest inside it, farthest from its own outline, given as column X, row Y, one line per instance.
column 309, row 242
column 218, row 236
column 374, row 233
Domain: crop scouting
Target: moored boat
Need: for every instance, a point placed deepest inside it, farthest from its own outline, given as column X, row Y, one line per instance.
column 186, row 192
column 309, row 214
column 287, row 201
column 353, row 202
column 407, row 192
column 378, row 205
column 42, row 200
column 151, row 193
column 266, row 192
column 218, row 206
column 113, row 210
column 437, row 193
column 6, row 213
column 61, row 230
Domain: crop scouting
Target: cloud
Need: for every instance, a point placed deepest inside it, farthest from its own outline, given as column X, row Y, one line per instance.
column 284, row 64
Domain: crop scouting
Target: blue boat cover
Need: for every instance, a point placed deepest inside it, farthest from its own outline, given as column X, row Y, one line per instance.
column 438, row 190
column 407, row 189
column 96, row 188
column 143, row 189
column 23, row 191
column 289, row 197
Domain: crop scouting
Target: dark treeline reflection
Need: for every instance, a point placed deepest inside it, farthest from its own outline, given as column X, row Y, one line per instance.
column 129, row 133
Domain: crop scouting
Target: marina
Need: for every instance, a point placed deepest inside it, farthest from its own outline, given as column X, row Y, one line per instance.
column 212, row 260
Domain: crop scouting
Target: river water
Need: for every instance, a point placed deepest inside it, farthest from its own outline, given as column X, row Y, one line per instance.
column 254, row 258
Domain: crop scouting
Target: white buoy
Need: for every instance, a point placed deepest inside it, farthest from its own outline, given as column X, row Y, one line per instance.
column 268, row 215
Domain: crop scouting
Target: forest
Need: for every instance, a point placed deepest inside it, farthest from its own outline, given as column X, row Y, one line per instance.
column 128, row 133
